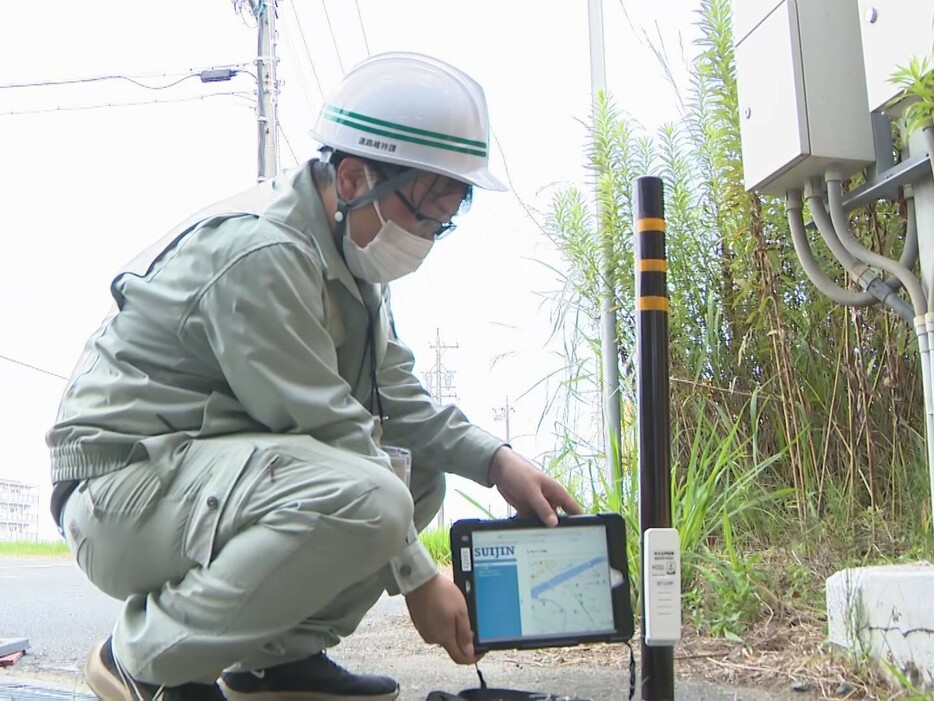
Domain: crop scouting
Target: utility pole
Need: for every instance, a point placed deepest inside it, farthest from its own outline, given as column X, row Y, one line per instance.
column 609, row 348
column 441, row 387
column 267, row 89
column 502, row 414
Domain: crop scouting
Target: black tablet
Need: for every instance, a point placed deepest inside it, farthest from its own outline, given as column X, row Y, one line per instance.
column 532, row 586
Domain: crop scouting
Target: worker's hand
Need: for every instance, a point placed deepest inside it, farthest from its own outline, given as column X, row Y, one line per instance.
column 439, row 612
column 529, row 490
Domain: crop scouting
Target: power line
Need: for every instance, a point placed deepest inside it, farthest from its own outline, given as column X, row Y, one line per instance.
column 527, row 208
column 298, row 21
column 97, row 79
column 163, row 74
column 302, row 79
column 287, row 143
column 33, row 367
column 212, row 74
column 333, row 38
column 104, row 105
column 362, row 27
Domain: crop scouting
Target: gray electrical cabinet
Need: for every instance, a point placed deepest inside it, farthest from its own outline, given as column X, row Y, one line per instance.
column 802, row 91
column 893, row 32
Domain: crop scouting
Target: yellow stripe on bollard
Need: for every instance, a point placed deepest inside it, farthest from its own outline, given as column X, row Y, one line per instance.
column 653, row 265
column 650, row 224
column 652, row 304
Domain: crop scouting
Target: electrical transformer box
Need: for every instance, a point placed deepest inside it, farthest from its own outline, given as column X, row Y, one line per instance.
column 802, row 91
column 893, row 32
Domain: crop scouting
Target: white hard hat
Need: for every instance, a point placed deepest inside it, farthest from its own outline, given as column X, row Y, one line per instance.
column 414, row 111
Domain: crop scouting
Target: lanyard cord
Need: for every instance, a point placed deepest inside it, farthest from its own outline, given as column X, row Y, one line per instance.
column 371, row 350
column 344, row 207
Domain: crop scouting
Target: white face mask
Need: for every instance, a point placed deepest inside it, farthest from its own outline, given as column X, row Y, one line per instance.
column 392, row 254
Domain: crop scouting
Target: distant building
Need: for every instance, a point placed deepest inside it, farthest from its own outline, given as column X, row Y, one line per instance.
column 19, row 511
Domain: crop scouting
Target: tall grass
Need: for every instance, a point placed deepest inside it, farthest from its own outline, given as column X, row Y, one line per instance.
column 438, row 543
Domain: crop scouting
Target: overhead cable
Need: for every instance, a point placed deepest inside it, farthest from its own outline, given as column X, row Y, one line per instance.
column 287, row 143
column 104, row 105
column 302, row 79
column 301, row 31
column 327, row 17
column 212, row 74
column 362, row 28
column 32, row 367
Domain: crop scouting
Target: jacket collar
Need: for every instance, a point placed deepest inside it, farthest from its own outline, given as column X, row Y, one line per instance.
column 317, row 226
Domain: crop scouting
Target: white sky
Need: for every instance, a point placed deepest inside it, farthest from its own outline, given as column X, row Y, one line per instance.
column 81, row 192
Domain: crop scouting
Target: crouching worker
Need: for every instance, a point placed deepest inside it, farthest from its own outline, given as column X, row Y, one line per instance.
column 220, row 456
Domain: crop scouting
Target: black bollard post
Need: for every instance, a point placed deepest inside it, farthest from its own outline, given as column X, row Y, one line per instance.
column 653, row 412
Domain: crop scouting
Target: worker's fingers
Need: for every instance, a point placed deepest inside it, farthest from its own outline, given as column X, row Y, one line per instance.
column 464, row 634
column 542, row 508
column 560, row 498
column 454, row 651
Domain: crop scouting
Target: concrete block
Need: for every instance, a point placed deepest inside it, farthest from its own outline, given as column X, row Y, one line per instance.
column 887, row 613
column 10, row 645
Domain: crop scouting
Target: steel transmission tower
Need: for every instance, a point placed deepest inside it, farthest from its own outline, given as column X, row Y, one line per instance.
column 440, row 383
column 440, row 380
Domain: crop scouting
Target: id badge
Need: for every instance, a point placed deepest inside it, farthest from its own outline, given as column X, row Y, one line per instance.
column 401, row 460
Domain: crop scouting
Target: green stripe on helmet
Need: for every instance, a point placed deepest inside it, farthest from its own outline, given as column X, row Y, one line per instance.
column 403, row 137
column 401, row 127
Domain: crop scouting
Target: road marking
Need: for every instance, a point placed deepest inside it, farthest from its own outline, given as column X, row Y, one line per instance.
column 44, row 565
column 35, row 567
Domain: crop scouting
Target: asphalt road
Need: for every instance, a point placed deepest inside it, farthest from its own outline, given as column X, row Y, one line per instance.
column 49, row 602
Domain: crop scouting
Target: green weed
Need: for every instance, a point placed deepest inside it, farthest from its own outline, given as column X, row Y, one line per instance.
column 438, row 543
column 27, row 548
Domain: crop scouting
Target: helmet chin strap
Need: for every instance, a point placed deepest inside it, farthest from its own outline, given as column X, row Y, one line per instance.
column 344, row 207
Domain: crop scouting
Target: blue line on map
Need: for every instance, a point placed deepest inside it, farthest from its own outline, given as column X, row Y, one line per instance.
column 496, row 563
column 562, row 577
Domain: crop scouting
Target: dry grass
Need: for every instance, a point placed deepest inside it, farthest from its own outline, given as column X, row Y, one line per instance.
column 787, row 656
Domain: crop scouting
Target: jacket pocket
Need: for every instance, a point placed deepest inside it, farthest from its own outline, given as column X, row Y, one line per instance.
column 219, row 465
column 132, row 491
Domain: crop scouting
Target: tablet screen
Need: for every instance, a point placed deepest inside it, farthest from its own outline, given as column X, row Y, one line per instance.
column 541, row 583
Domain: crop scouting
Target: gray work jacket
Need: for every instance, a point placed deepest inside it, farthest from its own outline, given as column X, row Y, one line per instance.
column 246, row 319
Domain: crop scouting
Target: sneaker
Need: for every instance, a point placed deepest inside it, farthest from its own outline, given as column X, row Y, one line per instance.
column 111, row 682
column 316, row 678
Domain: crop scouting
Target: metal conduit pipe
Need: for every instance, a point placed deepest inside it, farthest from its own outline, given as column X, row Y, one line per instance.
column 812, row 269
column 925, row 338
column 928, row 132
column 815, row 199
column 858, row 268
column 910, row 253
column 842, row 228
column 867, row 278
column 909, row 257
column 927, row 362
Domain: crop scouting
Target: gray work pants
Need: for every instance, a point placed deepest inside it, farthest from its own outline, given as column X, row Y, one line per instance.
column 244, row 551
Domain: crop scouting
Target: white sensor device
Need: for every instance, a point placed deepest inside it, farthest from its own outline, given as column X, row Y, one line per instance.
column 662, row 586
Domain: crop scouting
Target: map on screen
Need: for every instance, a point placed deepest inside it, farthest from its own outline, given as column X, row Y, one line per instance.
column 541, row 583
